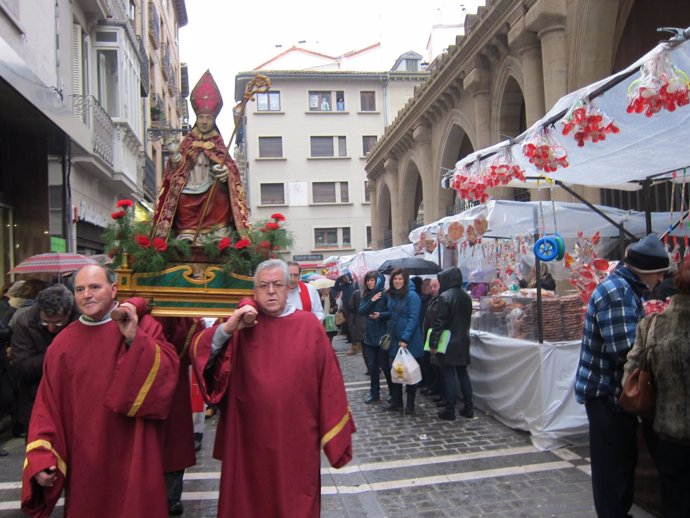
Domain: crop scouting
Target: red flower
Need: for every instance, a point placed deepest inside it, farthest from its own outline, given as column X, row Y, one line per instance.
column 264, row 244
column 142, row 241
column 119, row 214
column 271, row 226
column 160, row 244
column 124, row 204
column 278, row 216
column 224, row 243
column 242, row 243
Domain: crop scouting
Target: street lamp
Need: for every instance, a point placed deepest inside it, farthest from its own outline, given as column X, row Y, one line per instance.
column 163, row 132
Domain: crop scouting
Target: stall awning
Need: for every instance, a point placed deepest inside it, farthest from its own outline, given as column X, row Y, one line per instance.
column 645, row 146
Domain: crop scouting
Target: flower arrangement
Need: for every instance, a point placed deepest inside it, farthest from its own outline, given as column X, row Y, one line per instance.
column 240, row 254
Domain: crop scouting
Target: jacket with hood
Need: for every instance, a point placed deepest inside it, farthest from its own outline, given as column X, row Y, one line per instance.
column 453, row 312
column 402, row 315
column 375, row 328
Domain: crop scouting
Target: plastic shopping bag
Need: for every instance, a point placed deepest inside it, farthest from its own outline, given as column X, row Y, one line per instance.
column 405, row 368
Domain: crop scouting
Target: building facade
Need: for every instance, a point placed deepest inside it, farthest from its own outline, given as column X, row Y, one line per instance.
column 516, row 59
column 76, row 82
column 303, row 146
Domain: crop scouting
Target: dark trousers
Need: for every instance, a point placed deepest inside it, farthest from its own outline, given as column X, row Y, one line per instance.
column 673, row 463
column 376, row 359
column 451, row 375
column 173, row 485
column 613, row 453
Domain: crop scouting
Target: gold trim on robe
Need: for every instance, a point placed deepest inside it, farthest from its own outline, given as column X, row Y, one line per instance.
column 147, row 384
column 336, row 429
column 42, row 443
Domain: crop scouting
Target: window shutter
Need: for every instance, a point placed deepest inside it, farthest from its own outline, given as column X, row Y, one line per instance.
column 77, row 72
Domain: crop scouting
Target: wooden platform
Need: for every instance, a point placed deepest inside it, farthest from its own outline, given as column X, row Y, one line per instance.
column 186, row 290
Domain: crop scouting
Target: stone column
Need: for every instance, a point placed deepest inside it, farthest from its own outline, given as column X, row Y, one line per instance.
column 374, row 218
column 528, row 47
column 422, row 145
column 548, row 19
column 477, row 83
column 398, row 224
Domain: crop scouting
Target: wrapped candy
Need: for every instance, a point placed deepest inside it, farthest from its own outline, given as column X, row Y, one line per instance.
column 587, row 122
column 661, row 85
column 544, row 152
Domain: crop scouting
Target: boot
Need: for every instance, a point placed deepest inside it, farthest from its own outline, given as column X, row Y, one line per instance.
column 411, row 395
column 396, row 398
column 467, row 411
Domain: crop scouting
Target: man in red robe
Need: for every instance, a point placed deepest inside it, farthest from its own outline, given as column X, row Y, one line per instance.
column 95, row 427
column 202, row 192
column 281, row 397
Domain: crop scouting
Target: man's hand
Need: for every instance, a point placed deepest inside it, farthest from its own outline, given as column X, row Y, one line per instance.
column 47, row 477
column 244, row 317
column 432, row 350
column 128, row 324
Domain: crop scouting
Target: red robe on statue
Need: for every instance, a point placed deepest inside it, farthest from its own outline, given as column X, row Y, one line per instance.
column 281, row 397
column 97, row 418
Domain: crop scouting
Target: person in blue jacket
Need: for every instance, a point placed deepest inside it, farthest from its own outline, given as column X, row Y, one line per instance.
column 374, row 302
column 402, row 315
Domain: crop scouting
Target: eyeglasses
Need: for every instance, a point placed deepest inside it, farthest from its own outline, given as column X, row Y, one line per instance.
column 276, row 285
column 56, row 324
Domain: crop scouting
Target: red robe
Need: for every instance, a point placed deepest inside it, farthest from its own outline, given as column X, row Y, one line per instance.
column 281, row 397
column 178, row 428
column 97, row 418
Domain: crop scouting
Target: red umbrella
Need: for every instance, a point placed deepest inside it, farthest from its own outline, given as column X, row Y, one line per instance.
column 53, row 262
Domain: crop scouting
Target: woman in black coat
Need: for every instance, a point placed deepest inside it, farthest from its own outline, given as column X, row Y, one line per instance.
column 373, row 303
column 453, row 313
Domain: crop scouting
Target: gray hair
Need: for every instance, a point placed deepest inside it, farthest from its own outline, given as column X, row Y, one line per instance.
column 272, row 264
column 55, row 300
column 110, row 275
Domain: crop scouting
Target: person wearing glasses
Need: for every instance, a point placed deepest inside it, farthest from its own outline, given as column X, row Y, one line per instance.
column 281, row 396
column 33, row 332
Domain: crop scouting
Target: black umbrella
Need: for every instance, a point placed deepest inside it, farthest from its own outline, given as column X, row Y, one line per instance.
column 414, row 266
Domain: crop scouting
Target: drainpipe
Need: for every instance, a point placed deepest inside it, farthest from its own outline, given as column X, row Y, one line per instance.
column 58, row 79
column 385, row 99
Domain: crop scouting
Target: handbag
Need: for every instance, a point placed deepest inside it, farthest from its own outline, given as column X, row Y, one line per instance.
column 385, row 342
column 639, row 395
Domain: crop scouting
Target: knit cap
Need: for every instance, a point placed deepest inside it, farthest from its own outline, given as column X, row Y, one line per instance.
column 648, row 255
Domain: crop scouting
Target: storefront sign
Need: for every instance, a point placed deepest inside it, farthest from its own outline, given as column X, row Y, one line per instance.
column 312, row 257
column 58, row 244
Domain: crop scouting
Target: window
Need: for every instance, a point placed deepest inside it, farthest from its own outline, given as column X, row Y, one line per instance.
column 330, row 192
column 332, row 237
column 272, row 194
column 270, row 147
column 268, row 102
column 368, row 142
column 322, row 101
column 367, row 196
column 326, row 146
column 412, row 65
column 367, row 244
column 367, row 101
column 108, row 88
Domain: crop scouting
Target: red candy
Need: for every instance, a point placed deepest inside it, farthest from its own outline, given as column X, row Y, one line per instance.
column 544, row 152
column 587, row 122
column 661, row 86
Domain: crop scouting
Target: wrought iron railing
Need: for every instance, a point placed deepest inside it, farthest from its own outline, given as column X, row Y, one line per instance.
column 150, row 179
column 154, row 26
column 87, row 109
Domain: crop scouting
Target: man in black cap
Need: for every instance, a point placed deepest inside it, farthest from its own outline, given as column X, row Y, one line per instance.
column 612, row 315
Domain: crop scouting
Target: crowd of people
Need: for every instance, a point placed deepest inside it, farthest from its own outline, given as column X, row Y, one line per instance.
column 66, row 348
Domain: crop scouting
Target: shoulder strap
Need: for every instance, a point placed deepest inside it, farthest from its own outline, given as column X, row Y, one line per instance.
column 304, row 296
column 648, row 341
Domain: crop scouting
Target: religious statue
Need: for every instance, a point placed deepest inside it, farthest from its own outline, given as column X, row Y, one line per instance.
column 202, row 193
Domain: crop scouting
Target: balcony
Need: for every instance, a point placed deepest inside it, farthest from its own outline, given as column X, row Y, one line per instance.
column 144, row 77
column 87, row 109
column 96, row 8
column 150, row 179
column 156, row 108
column 184, row 81
column 166, row 67
column 154, row 26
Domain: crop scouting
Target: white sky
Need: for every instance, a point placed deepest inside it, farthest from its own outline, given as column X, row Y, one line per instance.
column 228, row 36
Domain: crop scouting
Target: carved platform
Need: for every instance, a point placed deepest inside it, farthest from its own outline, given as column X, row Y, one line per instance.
column 186, row 290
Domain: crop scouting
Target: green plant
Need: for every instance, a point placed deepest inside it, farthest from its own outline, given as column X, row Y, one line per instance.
column 239, row 254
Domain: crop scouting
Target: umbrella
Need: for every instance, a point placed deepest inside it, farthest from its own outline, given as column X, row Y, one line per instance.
column 53, row 262
column 414, row 266
column 307, row 277
column 322, row 283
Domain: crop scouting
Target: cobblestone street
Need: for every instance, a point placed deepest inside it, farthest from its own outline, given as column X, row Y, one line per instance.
column 405, row 467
